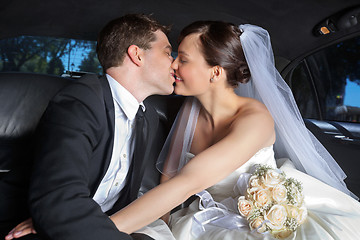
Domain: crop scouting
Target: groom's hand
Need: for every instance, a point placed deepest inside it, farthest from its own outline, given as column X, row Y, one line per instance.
column 22, row 229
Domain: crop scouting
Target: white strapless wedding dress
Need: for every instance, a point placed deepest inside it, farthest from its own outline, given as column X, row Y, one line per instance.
column 331, row 213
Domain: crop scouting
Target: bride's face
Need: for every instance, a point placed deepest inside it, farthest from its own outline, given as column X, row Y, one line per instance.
column 192, row 72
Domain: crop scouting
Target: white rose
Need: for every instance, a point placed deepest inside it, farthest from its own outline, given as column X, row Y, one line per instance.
column 292, row 211
column 279, row 193
column 276, row 217
column 281, row 234
column 302, row 215
column 262, row 197
column 254, row 181
column 272, row 178
column 245, row 206
column 254, row 185
column 299, row 214
column 252, row 190
column 256, row 223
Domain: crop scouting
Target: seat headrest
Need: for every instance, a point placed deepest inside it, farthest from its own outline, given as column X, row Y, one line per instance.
column 24, row 98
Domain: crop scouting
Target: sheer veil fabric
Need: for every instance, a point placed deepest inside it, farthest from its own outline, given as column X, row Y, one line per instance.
column 173, row 155
column 293, row 139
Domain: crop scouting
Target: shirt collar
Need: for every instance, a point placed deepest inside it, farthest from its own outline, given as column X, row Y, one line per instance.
column 125, row 100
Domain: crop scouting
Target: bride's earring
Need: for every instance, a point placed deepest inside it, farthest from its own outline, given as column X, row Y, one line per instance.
column 211, row 79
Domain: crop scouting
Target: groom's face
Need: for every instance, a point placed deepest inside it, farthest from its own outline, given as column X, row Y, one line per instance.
column 158, row 71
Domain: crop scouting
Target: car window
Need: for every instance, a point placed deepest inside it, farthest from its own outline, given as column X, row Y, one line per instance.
column 58, row 56
column 303, row 91
column 326, row 84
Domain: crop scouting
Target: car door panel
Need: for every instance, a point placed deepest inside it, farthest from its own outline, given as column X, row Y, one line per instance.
column 342, row 140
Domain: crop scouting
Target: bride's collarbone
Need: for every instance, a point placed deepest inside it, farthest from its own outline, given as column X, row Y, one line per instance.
column 205, row 136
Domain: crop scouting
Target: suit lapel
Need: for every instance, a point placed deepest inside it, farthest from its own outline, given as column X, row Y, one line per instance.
column 110, row 115
column 103, row 153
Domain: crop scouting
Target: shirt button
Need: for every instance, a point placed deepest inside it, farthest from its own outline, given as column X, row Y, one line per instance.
column 124, row 155
column 116, row 184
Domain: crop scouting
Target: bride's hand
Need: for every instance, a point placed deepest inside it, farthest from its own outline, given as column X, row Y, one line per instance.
column 22, row 229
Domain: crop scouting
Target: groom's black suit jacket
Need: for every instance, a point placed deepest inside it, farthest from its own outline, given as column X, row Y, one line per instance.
column 74, row 148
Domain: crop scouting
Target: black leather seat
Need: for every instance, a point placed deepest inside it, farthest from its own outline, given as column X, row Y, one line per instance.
column 24, row 98
column 167, row 107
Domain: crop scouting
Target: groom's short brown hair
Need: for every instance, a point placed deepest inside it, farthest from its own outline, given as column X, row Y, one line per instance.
column 119, row 34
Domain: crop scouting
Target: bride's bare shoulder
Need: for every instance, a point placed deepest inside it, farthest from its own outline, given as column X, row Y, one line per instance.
column 254, row 121
column 251, row 106
column 253, row 112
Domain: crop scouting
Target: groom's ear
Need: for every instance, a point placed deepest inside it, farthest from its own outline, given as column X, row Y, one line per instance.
column 135, row 54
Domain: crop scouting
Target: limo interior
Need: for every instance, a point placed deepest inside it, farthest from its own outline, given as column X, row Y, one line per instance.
column 298, row 30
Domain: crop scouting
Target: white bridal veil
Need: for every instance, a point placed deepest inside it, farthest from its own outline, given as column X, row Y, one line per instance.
column 293, row 139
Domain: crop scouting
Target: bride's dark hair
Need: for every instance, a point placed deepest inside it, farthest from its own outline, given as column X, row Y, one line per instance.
column 220, row 45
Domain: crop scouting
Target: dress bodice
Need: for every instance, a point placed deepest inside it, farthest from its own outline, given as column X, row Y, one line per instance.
column 221, row 190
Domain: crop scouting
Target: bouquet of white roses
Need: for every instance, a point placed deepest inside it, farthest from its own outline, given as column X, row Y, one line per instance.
column 273, row 203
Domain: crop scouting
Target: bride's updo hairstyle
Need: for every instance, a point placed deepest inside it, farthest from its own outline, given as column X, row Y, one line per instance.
column 220, row 45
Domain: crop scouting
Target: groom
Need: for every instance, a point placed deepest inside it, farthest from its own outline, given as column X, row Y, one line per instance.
column 96, row 134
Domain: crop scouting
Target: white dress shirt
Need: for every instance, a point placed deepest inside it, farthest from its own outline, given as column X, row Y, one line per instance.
column 125, row 107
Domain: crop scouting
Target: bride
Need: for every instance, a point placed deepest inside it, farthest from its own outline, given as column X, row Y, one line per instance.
column 224, row 133
column 242, row 114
